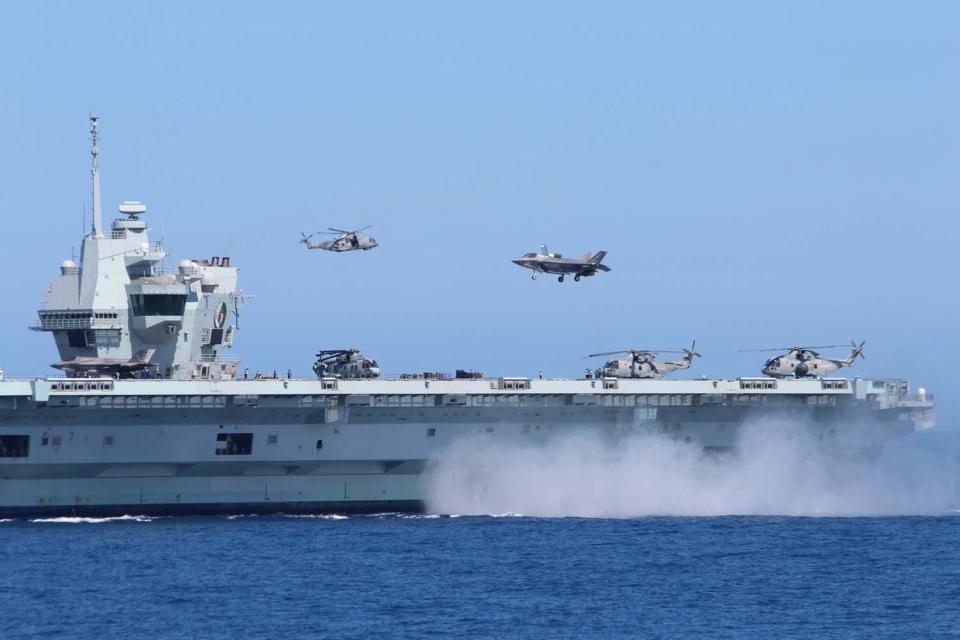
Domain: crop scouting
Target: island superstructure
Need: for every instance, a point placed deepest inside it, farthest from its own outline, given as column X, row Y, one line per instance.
column 148, row 415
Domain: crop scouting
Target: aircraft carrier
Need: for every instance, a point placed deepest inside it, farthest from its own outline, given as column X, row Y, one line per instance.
column 147, row 414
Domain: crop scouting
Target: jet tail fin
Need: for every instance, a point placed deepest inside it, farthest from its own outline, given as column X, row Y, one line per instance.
column 597, row 259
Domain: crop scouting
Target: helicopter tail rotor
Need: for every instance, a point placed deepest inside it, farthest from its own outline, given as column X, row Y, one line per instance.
column 691, row 353
column 304, row 238
column 857, row 351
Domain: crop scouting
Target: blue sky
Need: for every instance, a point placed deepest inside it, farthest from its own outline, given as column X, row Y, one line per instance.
column 761, row 174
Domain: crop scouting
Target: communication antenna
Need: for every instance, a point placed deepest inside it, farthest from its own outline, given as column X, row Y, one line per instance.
column 95, row 174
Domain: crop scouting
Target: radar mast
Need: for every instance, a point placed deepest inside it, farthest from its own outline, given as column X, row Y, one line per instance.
column 95, row 174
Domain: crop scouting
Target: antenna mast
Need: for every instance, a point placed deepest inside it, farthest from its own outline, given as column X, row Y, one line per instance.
column 95, row 174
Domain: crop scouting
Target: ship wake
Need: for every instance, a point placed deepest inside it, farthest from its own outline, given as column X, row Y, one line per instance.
column 776, row 470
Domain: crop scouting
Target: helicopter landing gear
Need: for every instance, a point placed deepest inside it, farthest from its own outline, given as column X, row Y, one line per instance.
column 576, row 278
column 560, row 279
column 533, row 277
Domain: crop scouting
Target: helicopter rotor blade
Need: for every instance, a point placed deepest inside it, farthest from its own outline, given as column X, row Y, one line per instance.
column 794, row 348
column 634, row 352
column 349, row 232
column 659, row 351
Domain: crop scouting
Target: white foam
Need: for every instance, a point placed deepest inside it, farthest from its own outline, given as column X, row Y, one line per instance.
column 778, row 470
column 79, row 520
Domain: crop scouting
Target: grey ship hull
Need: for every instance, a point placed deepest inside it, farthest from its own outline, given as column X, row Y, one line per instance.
column 192, row 439
column 104, row 448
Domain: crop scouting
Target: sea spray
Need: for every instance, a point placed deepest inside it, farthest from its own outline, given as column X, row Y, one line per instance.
column 775, row 469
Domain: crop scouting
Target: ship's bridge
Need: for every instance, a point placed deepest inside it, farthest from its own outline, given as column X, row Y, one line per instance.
column 120, row 311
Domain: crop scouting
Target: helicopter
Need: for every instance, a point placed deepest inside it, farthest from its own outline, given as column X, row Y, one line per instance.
column 344, row 363
column 642, row 363
column 804, row 362
column 345, row 240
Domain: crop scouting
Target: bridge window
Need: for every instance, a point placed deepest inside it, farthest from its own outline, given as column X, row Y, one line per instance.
column 14, row 446
column 158, row 304
column 103, row 337
column 234, row 444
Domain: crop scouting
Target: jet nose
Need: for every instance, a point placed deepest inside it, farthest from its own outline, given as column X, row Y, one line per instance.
column 519, row 261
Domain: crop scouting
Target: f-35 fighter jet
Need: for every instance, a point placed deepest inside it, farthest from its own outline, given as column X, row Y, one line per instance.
column 545, row 262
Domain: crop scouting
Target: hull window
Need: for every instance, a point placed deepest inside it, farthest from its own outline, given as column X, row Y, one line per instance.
column 234, row 444
column 14, row 446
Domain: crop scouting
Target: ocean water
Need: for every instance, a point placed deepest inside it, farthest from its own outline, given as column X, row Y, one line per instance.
column 399, row 576
column 794, row 546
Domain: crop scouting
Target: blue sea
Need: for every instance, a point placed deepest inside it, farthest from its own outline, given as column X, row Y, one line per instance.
column 811, row 574
column 400, row 576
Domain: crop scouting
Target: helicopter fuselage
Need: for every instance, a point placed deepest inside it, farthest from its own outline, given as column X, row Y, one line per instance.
column 790, row 366
column 354, row 242
column 641, row 368
column 345, row 363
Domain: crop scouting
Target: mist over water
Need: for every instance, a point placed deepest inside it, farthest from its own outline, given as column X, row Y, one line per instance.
column 777, row 469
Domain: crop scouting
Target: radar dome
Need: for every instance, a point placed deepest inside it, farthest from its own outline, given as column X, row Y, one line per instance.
column 68, row 267
column 187, row 268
